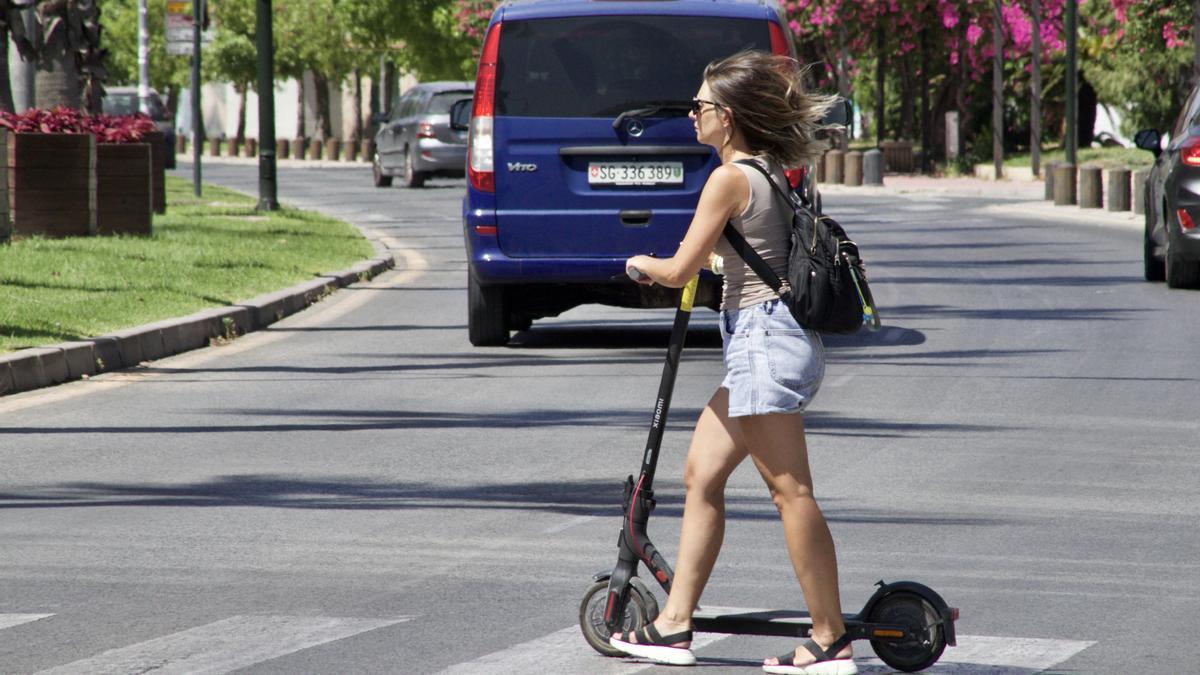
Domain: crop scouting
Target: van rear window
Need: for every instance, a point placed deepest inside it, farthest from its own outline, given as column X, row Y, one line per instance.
column 599, row 66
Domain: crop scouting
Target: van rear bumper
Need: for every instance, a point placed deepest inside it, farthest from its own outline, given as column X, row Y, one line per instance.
column 492, row 266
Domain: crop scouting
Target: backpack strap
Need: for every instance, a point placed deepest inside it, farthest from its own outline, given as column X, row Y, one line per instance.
column 743, row 247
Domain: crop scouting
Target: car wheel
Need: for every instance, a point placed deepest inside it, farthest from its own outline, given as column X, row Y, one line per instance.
column 381, row 180
column 1155, row 266
column 487, row 322
column 1181, row 272
column 412, row 177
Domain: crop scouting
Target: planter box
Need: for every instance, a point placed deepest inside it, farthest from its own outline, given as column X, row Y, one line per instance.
column 51, row 183
column 158, row 173
column 124, row 188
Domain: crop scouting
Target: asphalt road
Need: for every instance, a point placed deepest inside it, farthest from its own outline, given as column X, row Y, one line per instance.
column 357, row 489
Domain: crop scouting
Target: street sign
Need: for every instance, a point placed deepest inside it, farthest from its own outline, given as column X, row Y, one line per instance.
column 179, row 28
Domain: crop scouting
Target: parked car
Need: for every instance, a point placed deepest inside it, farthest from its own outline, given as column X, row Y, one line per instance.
column 581, row 152
column 1171, row 245
column 415, row 140
column 124, row 101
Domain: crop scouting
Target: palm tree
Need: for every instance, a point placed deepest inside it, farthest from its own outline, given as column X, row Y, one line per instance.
column 70, row 61
column 12, row 27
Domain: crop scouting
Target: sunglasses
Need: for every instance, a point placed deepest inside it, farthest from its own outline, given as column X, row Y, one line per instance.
column 698, row 105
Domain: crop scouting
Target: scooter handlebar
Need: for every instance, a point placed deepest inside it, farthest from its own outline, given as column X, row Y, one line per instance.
column 635, row 274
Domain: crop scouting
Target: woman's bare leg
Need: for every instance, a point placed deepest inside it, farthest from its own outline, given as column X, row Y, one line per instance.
column 777, row 446
column 715, row 451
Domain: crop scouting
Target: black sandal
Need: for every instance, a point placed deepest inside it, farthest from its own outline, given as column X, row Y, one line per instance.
column 656, row 647
column 827, row 662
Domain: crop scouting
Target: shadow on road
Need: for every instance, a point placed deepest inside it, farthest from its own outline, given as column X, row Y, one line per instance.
column 578, row 498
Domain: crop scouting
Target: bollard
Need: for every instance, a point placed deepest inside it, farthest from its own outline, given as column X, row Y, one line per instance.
column 234, row 149
column 873, row 167
column 1064, row 184
column 315, row 148
column 1139, row 190
column 180, row 144
column 854, row 168
column 1048, row 177
column 333, row 148
column 1118, row 189
column 919, row 160
column 281, row 148
column 214, row 147
column 350, row 151
column 820, row 169
column 1091, row 187
column 251, row 148
column 298, row 146
column 366, row 151
column 835, row 164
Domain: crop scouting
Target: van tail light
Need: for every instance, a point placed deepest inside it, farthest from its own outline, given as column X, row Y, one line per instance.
column 425, row 130
column 1190, row 153
column 795, row 176
column 1185, row 220
column 779, row 40
column 481, row 171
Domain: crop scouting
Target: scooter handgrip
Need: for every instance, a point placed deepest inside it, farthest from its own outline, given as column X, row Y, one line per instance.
column 634, row 273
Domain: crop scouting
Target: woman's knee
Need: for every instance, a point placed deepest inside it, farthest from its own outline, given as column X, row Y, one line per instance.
column 790, row 494
column 704, row 480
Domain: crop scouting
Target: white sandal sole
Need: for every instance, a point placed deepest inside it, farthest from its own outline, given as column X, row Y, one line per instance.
column 835, row 667
column 672, row 656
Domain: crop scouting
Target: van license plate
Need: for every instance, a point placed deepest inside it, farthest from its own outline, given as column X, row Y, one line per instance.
column 635, row 173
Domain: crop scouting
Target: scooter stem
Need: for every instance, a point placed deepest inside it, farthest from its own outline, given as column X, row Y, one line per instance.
column 634, row 543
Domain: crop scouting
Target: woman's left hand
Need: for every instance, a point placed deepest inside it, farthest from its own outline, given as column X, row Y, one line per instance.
column 642, row 263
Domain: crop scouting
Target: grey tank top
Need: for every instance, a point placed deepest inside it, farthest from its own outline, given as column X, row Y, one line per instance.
column 765, row 224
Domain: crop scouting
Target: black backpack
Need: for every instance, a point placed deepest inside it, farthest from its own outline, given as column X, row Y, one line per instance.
column 827, row 288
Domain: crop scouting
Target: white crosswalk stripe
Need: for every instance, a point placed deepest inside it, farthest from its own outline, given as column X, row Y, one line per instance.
column 223, row 646
column 565, row 651
column 10, row 620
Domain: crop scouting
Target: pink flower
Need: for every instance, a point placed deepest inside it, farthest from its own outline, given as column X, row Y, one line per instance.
column 973, row 34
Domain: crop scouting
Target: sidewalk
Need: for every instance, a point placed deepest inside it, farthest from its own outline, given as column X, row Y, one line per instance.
column 1022, row 198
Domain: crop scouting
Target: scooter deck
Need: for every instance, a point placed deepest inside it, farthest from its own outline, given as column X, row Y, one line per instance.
column 747, row 621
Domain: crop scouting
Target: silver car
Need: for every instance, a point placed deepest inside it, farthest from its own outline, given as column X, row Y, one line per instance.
column 416, row 142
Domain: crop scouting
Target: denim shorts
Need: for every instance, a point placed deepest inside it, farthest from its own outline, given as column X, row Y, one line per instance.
column 772, row 364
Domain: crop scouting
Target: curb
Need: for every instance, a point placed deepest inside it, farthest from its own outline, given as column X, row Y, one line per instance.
column 54, row 364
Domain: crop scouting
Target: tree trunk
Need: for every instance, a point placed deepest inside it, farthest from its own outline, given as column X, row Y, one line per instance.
column 6, row 97
column 1035, row 102
column 358, row 107
column 879, row 95
column 1196, row 41
column 324, row 123
column 241, row 90
column 923, row 92
column 57, row 82
column 907, row 100
column 300, row 106
column 997, row 89
column 844, row 83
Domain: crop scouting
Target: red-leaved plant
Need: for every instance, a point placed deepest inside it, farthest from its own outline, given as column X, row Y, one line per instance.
column 61, row 120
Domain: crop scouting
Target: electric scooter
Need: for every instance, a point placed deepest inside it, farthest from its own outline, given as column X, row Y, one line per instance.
column 907, row 623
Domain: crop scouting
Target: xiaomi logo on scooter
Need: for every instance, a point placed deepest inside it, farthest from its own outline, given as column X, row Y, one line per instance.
column 518, row 167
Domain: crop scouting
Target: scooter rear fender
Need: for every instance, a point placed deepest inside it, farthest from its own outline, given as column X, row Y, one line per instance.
column 945, row 612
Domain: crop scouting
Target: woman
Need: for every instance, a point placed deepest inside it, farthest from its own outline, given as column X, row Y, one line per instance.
column 751, row 106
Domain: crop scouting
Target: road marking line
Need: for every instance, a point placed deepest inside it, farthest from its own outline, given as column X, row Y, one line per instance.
column 579, row 520
column 223, row 646
column 10, row 620
column 995, row 656
column 563, row 651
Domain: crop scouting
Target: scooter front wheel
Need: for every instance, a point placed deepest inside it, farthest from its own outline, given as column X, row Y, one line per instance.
column 922, row 620
column 641, row 609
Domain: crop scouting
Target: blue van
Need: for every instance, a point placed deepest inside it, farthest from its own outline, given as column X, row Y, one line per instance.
column 581, row 152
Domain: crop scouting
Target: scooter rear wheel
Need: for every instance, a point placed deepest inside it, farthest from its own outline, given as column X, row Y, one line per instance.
column 922, row 619
column 639, row 611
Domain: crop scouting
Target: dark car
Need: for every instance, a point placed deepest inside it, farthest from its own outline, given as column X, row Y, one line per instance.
column 415, row 140
column 1172, row 239
column 581, row 152
column 124, row 101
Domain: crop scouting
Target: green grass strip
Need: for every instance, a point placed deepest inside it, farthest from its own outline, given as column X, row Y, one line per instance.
column 207, row 252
